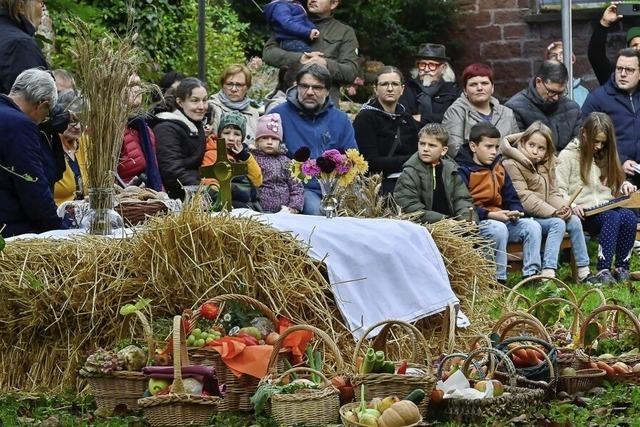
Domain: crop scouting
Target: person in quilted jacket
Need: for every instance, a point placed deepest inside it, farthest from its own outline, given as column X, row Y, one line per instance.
column 279, row 190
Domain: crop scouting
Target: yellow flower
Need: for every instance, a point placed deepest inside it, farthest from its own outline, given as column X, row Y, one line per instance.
column 360, row 165
column 296, row 171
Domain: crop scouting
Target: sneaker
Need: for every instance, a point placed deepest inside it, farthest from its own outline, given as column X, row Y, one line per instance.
column 622, row 275
column 590, row 279
column 604, row 277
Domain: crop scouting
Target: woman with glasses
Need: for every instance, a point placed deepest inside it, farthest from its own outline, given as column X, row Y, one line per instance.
column 235, row 82
column 70, row 186
column 19, row 20
column 385, row 132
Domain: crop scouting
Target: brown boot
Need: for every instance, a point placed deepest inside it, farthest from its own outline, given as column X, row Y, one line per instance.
column 635, row 276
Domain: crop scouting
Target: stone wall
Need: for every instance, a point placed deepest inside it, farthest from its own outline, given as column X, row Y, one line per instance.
column 512, row 38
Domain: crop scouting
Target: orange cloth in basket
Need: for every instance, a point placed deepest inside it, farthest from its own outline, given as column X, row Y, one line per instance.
column 243, row 359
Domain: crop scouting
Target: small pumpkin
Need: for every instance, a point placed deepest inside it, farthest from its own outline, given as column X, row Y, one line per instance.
column 400, row 414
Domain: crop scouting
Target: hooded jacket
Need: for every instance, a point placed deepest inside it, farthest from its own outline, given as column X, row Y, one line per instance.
column 462, row 115
column 26, row 205
column 375, row 132
column 18, row 50
column 414, row 190
column 180, row 145
column 624, row 110
column 569, row 180
column 337, row 42
column 563, row 117
column 535, row 184
column 413, row 98
column 325, row 129
column 489, row 185
column 279, row 188
column 288, row 20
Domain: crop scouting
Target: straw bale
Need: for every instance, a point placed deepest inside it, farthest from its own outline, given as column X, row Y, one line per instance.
column 60, row 298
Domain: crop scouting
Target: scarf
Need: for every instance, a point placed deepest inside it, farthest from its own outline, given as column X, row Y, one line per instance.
column 426, row 106
column 234, row 105
column 153, row 173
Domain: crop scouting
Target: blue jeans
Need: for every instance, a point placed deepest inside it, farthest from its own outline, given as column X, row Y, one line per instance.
column 554, row 229
column 524, row 230
column 295, row 46
column 311, row 202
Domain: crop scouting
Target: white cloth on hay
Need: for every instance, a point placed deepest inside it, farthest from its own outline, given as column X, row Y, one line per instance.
column 379, row 269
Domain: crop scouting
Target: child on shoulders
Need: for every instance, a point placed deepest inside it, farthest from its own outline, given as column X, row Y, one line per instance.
column 496, row 201
column 430, row 183
column 529, row 159
column 290, row 25
column 591, row 162
column 279, row 190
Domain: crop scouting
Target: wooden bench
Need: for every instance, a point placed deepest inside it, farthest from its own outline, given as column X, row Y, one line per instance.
column 514, row 253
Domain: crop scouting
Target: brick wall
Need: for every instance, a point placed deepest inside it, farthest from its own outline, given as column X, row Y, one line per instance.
column 504, row 34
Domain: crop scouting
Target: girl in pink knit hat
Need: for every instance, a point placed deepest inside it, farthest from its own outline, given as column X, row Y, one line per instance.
column 279, row 191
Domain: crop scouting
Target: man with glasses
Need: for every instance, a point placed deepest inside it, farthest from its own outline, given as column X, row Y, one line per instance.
column 27, row 165
column 428, row 95
column 620, row 99
column 309, row 119
column 545, row 100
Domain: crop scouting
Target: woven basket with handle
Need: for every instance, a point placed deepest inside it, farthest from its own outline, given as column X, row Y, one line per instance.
column 122, row 388
column 179, row 408
column 515, row 400
column 134, row 213
column 583, row 380
column 238, row 389
column 382, row 385
column 306, row 407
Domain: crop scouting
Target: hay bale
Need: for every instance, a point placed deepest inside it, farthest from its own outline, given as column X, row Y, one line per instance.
column 60, row 298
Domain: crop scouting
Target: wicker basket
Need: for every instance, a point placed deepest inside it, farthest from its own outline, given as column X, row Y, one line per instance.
column 134, row 213
column 585, row 357
column 584, row 380
column 122, row 388
column 179, row 408
column 354, row 407
column 544, row 376
column 381, row 385
column 518, row 401
column 519, row 323
column 238, row 389
column 310, row 408
column 513, row 296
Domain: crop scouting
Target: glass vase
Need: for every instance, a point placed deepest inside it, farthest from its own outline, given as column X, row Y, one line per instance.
column 196, row 197
column 101, row 219
column 329, row 202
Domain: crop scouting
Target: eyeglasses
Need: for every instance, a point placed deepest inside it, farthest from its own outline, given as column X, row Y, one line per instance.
column 552, row 92
column 429, row 65
column 305, row 87
column 387, row 85
column 234, row 85
column 627, row 70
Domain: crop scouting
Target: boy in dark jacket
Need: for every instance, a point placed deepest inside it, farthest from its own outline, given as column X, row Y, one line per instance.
column 430, row 183
column 496, row 201
column 290, row 25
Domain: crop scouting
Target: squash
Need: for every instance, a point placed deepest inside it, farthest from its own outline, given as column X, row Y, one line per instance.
column 400, row 414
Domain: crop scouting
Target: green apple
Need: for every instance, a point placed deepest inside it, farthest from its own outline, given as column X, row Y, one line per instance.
column 209, row 339
column 155, row 385
column 199, row 343
column 191, row 340
column 197, row 332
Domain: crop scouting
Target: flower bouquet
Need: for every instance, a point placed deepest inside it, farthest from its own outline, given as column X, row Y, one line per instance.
column 331, row 169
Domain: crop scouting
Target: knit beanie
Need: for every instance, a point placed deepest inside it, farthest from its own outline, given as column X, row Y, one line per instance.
column 633, row 32
column 233, row 119
column 269, row 125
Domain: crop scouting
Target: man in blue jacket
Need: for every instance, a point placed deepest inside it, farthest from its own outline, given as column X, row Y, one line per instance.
column 620, row 99
column 309, row 119
column 27, row 168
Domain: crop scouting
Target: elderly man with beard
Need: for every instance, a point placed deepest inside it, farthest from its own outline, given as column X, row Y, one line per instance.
column 309, row 119
column 476, row 104
column 545, row 100
column 428, row 95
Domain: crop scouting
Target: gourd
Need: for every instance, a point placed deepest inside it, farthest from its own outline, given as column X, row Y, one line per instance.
column 400, row 414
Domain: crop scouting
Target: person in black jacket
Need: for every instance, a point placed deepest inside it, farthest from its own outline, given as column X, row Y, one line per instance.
column 27, row 169
column 19, row 20
column 385, row 133
column 545, row 100
column 180, row 137
column 597, row 52
column 428, row 95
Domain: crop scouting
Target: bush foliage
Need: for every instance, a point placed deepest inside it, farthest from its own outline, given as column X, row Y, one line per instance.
column 167, row 32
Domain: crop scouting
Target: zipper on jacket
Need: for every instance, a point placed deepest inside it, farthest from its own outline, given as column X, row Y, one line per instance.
column 633, row 108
